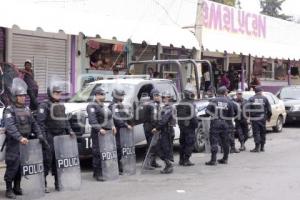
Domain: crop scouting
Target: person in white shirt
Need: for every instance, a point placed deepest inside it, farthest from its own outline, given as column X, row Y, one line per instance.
column 245, row 85
column 206, row 80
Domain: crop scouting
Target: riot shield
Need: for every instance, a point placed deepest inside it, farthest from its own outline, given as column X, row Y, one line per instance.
column 108, row 156
column 128, row 159
column 2, row 144
column 67, row 162
column 147, row 161
column 32, row 170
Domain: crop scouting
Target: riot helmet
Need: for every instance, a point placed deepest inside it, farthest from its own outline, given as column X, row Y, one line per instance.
column 222, row 90
column 99, row 90
column 18, row 88
column 166, row 94
column 118, row 94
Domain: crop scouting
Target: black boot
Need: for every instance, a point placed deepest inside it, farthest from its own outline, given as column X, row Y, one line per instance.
column 262, row 148
column 242, row 148
column 181, row 161
column 46, row 186
column 56, row 184
column 187, row 161
column 234, row 150
column 98, row 175
column 212, row 160
column 223, row 161
column 120, row 168
column 154, row 163
column 168, row 168
column 9, row 191
column 17, row 187
column 256, row 149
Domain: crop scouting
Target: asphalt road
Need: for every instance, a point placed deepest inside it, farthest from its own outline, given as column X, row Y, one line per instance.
column 271, row 175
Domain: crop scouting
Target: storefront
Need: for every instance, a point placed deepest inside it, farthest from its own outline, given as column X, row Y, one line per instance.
column 267, row 47
column 49, row 53
column 107, row 57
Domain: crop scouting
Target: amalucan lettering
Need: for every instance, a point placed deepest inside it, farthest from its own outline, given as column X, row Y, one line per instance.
column 67, row 162
column 32, row 169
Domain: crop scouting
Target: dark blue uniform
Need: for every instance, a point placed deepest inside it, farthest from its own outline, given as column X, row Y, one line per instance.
column 165, row 126
column 231, row 127
column 53, row 122
column 260, row 112
column 18, row 122
column 241, row 124
column 152, row 111
column 188, row 125
column 221, row 110
column 121, row 118
column 100, row 117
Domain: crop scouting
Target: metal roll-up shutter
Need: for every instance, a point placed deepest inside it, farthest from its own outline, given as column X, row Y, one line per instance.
column 49, row 57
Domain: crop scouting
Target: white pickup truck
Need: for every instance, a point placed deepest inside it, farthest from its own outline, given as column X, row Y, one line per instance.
column 136, row 89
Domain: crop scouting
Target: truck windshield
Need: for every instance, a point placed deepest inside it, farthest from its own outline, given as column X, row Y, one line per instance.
column 86, row 95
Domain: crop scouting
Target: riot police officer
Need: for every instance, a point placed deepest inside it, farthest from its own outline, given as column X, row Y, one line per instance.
column 165, row 128
column 53, row 122
column 260, row 112
column 221, row 110
column 121, row 118
column 152, row 110
column 20, row 127
column 100, row 119
column 187, row 122
column 241, row 124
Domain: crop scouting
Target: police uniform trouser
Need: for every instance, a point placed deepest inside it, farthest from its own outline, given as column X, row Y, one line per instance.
column 148, row 136
column 49, row 157
column 13, row 170
column 165, row 144
column 231, row 134
column 13, row 162
column 96, row 153
column 187, row 141
column 242, row 130
column 119, row 149
column 219, row 132
column 259, row 131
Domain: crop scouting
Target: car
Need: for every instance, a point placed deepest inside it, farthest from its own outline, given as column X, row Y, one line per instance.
column 136, row 89
column 278, row 109
column 290, row 95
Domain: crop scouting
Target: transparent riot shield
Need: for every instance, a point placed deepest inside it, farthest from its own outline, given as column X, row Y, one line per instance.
column 147, row 161
column 2, row 145
column 108, row 156
column 32, row 170
column 67, row 162
column 128, row 159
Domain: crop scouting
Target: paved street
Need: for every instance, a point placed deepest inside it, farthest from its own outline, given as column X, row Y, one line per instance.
column 270, row 175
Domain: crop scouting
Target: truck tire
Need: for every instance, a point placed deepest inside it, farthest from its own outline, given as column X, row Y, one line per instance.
column 200, row 140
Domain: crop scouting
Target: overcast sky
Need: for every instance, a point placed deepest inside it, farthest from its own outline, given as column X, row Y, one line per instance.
column 289, row 7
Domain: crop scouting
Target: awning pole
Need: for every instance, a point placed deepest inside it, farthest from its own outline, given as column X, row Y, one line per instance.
column 242, row 73
column 289, row 72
